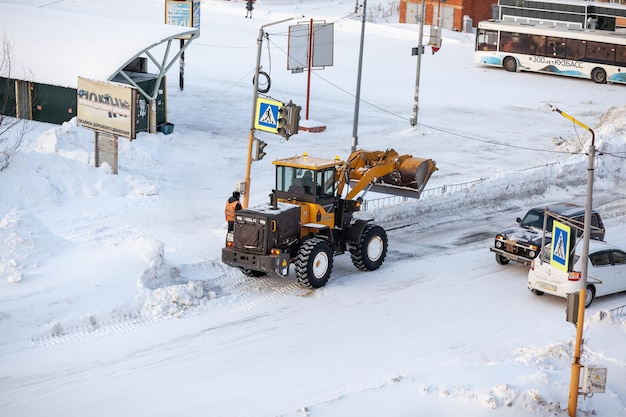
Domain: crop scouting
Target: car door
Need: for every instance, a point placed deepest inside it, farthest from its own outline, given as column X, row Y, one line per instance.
column 601, row 273
column 619, row 265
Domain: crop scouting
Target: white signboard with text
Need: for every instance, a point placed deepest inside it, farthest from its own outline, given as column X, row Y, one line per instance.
column 107, row 107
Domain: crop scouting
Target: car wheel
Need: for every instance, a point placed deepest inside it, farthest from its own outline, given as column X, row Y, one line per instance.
column 537, row 292
column 314, row 263
column 502, row 260
column 590, row 294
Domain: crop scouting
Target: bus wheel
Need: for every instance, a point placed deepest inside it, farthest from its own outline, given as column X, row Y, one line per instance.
column 510, row 64
column 598, row 75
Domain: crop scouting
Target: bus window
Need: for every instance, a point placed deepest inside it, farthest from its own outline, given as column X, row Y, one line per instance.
column 555, row 47
column 536, row 44
column 513, row 42
column 575, row 49
column 620, row 55
column 506, row 41
column 486, row 40
column 600, row 52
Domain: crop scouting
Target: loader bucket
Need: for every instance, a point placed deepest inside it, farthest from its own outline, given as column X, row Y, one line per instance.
column 402, row 175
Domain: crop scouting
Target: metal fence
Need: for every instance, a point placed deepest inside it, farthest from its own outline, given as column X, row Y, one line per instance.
column 428, row 193
column 432, row 192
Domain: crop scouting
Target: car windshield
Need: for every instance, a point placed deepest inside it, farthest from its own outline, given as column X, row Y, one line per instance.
column 534, row 218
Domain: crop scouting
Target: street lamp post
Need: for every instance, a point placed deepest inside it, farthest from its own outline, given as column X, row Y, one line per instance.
column 575, row 376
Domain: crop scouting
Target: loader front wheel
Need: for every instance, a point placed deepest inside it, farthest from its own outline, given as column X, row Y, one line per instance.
column 314, row 263
column 369, row 252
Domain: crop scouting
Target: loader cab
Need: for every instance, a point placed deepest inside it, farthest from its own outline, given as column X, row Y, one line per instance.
column 305, row 184
column 306, row 179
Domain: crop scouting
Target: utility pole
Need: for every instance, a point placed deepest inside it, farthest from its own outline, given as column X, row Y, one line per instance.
column 575, row 377
column 355, row 122
column 255, row 97
column 420, row 51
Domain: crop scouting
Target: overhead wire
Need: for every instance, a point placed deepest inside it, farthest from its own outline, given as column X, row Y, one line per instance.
column 435, row 128
column 449, row 132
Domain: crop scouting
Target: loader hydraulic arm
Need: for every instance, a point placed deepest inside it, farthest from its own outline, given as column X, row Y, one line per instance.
column 369, row 177
column 385, row 172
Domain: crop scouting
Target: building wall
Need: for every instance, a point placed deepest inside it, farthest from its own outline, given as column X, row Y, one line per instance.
column 54, row 104
column 477, row 10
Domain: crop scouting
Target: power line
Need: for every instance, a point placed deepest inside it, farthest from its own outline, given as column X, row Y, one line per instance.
column 452, row 133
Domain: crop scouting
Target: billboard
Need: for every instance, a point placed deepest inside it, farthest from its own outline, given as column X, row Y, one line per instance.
column 107, row 107
column 300, row 35
column 183, row 13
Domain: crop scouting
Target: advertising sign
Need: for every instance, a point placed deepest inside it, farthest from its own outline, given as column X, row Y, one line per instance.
column 107, row 107
column 183, row 13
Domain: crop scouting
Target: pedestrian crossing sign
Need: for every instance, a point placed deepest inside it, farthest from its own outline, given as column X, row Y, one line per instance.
column 266, row 115
column 560, row 246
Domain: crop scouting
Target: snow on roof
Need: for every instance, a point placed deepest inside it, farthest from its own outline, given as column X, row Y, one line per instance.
column 44, row 48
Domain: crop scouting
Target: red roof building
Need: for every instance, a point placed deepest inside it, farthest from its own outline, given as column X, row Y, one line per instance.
column 452, row 12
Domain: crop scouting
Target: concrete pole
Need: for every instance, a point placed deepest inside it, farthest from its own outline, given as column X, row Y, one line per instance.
column 355, row 121
column 420, row 51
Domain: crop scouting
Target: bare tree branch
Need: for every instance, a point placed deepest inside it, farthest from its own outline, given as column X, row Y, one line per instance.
column 12, row 130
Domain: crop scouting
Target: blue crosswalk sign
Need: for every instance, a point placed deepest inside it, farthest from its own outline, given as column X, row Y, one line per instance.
column 560, row 245
column 266, row 115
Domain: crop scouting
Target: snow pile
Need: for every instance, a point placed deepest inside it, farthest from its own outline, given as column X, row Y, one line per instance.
column 25, row 244
column 519, row 187
column 163, row 291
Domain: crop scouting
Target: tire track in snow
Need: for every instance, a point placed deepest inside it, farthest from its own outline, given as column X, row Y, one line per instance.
column 229, row 292
column 100, row 228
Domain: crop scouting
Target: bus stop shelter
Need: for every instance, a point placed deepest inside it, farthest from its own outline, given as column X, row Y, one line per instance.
column 50, row 49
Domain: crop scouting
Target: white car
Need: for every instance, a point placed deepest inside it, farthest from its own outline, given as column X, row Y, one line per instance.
column 606, row 273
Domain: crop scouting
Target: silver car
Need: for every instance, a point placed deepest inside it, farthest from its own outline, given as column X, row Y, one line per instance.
column 606, row 273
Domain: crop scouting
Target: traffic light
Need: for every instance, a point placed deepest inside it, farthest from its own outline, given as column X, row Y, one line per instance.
column 294, row 118
column 282, row 124
column 260, row 145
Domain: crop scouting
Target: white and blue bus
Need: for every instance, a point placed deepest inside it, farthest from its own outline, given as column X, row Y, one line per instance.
column 593, row 54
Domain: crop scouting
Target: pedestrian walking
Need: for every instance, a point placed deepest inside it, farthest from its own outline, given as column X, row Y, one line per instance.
column 249, row 8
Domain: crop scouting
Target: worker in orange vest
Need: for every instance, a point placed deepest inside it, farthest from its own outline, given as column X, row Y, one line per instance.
column 232, row 205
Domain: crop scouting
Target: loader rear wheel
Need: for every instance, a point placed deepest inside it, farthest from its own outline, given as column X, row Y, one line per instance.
column 369, row 252
column 314, row 263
